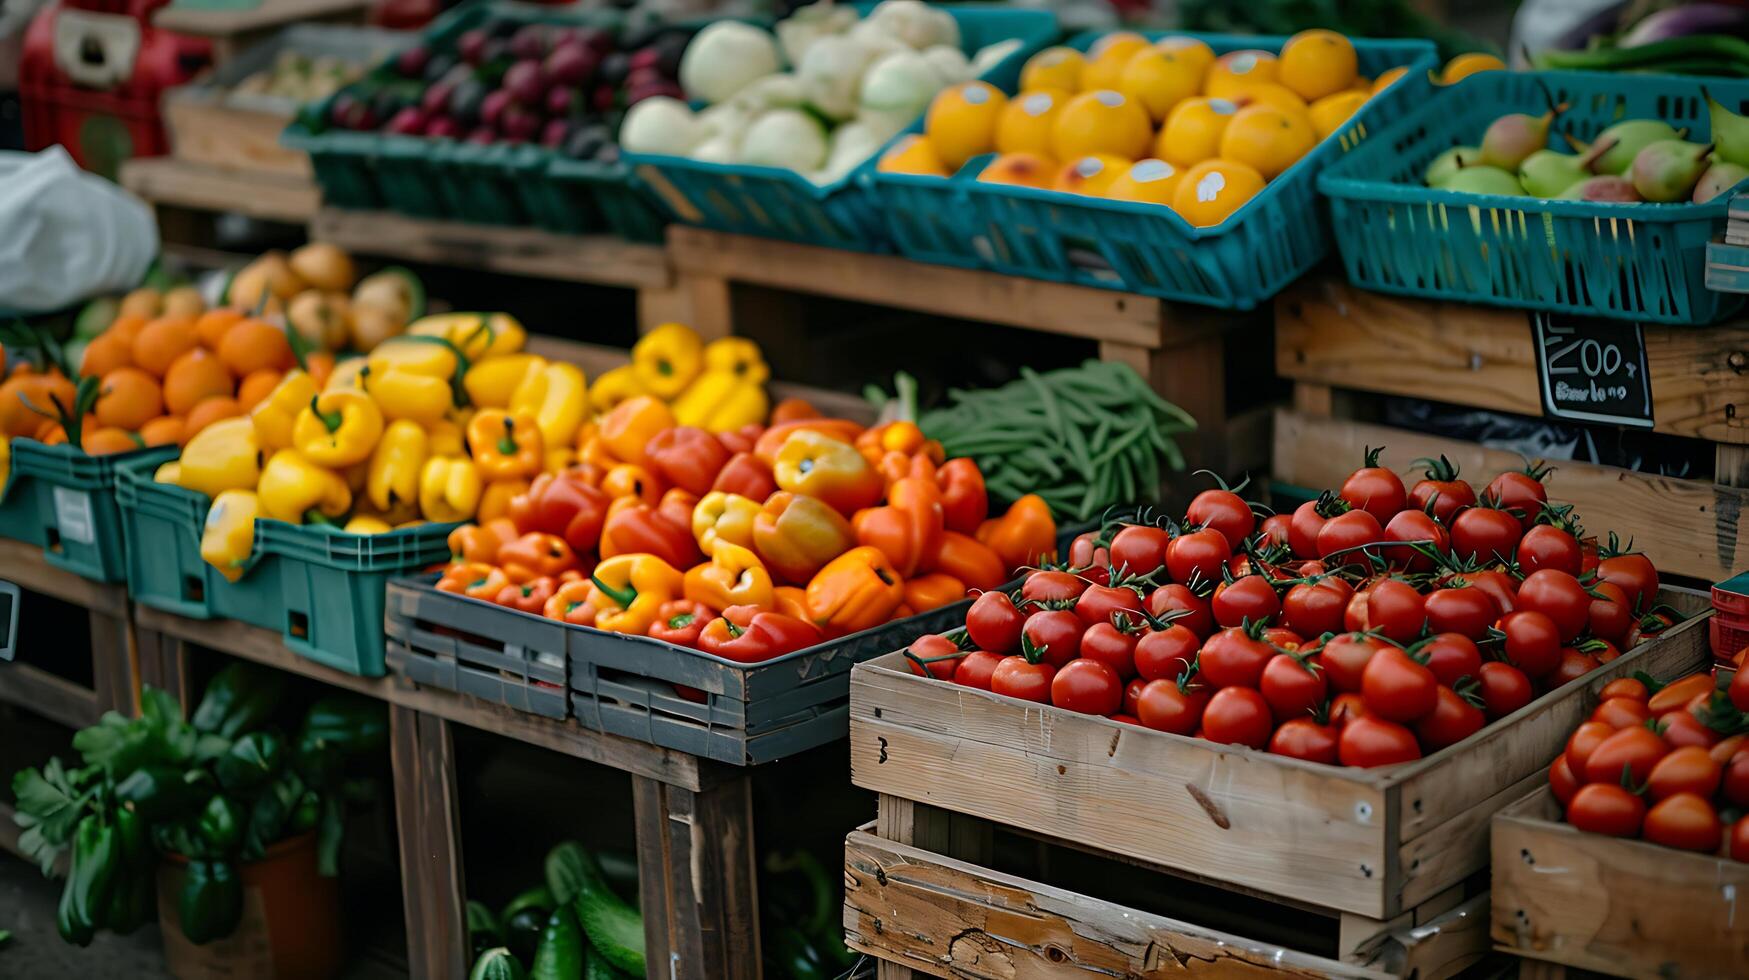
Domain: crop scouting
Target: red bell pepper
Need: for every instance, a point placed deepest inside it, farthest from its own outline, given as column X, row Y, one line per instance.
column 687, row 457
column 565, row 504
column 746, row 635
column 908, row 529
column 964, row 501
column 530, row 597
column 635, row 527
column 742, row 440
column 745, row 475
column 677, row 505
column 680, row 621
column 570, row 604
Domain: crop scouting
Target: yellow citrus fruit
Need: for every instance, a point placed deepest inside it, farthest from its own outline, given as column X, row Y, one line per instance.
column 1361, row 84
column 1267, row 139
column 1271, row 94
column 1053, row 68
column 1237, row 69
column 1331, row 111
column 1107, row 58
column 1158, row 81
column 1188, row 49
column 1024, row 169
column 1193, row 131
column 1385, row 78
column 913, row 154
column 1091, row 174
column 962, row 121
column 1317, row 63
column 1465, row 65
column 1151, row 181
column 1025, row 125
column 1100, row 122
column 1214, row 189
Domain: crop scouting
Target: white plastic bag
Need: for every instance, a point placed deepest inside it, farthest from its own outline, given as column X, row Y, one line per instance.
column 67, row 235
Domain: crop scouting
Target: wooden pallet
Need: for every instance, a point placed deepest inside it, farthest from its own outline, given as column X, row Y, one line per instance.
column 1340, row 345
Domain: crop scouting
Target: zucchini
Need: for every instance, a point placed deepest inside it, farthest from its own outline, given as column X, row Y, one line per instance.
column 560, row 953
column 496, row 964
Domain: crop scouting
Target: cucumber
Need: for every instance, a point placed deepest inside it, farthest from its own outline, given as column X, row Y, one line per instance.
column 615, row 929
column 560, row 953
column 570, row 870
column 537, row 897
column 496, row 964
column 483, row 931
column 596, row 967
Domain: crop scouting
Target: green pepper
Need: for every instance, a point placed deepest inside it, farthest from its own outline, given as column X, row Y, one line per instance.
column 69, row 922
column 347, row 722
column 161, row 792
column 211, row 903
column 221, row 824
column 96, row 860
column 133, row 901
column 251, row 761
column 239, row 698
column 136, row 847
column 307, row 812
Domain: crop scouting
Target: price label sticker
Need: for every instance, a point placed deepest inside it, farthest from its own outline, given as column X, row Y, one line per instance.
column 73, row 515
column 1592, row 370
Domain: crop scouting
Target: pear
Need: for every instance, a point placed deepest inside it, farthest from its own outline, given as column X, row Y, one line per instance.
column 1730, row 132
column 1719, row 178
column 1546, row 173
column 1515, row 136
column 1483, row 179
column 1604, row 187
column 1667, row 170
column 1449, row 163
column 1630, row 136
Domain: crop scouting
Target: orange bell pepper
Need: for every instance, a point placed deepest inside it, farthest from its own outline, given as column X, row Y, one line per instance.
column 820, row 466
column 530, row 596
column 855, row 591
column 732, row 577
column 632, row 480
column 932, row 591
column 791, row 601
column 793, row 410
column 908, row 529
column 1026, row 535
column 481, row 542
column 677, row 506
column 796, row 536
column 506, row 445
column 772, row 439
column 900, row 437
column 495, row 501
column 570, row 603
column 475, row 580
column 626, row 431
column 536, row 554
column 974, row 564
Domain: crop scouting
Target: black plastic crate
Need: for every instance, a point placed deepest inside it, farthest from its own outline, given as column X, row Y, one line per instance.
column 475, row 647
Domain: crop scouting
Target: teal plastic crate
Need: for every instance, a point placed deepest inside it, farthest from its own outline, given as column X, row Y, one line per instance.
column 773, row 202
column 497, row 184
column 319, row 587
column 63, row 501
column 1139, row 247
column 1633, row 261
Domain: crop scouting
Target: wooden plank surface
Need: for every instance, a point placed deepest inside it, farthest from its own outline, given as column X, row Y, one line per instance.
column 1330, row 333
column 598, row 259
column 1078, row 311
column 1623, row 907
column 1687, row 527
column 53, row 697
column 24, row 565
column 428, row 818
column 697, row 875
column 273, row 197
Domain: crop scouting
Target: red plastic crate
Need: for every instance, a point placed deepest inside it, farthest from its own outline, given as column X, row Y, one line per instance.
column 1729, row 629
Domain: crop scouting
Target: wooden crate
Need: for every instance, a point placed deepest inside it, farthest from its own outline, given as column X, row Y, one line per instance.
column 1372, row 844
column 1340, row 345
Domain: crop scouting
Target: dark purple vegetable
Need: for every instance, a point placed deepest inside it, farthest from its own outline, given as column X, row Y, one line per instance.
column 1686, row 20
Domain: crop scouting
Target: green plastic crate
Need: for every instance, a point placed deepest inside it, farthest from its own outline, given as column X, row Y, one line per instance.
column 319, row 587
column 63, row 500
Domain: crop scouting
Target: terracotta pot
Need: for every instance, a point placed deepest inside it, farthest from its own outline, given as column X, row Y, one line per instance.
column 290, row 928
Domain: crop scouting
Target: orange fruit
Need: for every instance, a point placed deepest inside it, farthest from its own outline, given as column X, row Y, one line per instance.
column 257, row 385
column 1150, row 181
column 1025, row 123
column 1100, row 122
column 128, row 398
column 1193, row 131
column 105, row 439
column 1023, row 169
column 126, row 327
column 107, row 352
column 212, row 324
column 1107, row 57
column 1317, row 63
column 196, row 375
column 1058, row 68
column 162, row 341
column 319, row 365
column 1271, row 94
column 1214, row 189
column 1361, row 84
column 1267, row 139
column 1188, row 49
column 912, row 154
column 210, row 410
column 1091, row 174
column 962, row 122
column 1385, row 78
column 1465, row 65
column 1330, row 112
column 1236, row 69
column 50, row 433
column 255, row 345
column 1157, row 81
column 165, row 430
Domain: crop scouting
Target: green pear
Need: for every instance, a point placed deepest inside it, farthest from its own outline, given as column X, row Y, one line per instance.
column 1667, row 170
column 96, row 317
column 1730, row 132
column 1515, row 136
column 1718, row 179
column 1631, row 136
column 1450, row 162
column 1603, row 188
column 1482, row 179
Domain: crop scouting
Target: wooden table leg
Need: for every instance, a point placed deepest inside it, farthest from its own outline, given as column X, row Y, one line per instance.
column 164, row 665
column 115, row 663
column 697, row 870
column 432, row 884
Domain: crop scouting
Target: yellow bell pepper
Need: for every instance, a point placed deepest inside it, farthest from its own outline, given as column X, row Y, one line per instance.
column 5, row 460
column 738, row 356
column 346, row 374
column 555, row 396
column 416, row 522
column 227, row 539
column 733, row 577
column 492, row 382
column 495, row 499
column 723, row 516
column 449, row 489
column 170, row 473
column 667, row 359
column 816, row 465
column 223, row 456
column 403, row 511
column 297, row 490
column 505, row 445
column 338, row 428
column 558, row 459
column 628, row 591
column 614, row 387
column 395, row 465
column 721, row 401
column 404, row 394
column 478, row 335
column 274, row 416
column 367, row 524
column 447, row 438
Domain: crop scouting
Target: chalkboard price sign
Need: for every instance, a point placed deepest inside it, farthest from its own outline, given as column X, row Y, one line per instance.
column 1592, row 370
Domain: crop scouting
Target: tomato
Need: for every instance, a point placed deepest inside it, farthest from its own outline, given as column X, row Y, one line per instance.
column 1584, row 741
column 1740, row 840
column 1681, row 728
column 1354, row 618
column 1685, row 820
column 1132, row 693
column 1018, row 678
column 1165, row 654
column 1307, row 520
column 1634, row 574
column 1344, row 535
column 1520, row 491
column 1345, row 657
column 1414, row 526
column 1606, row 808
column 1559, row 596
column 1344, row 708
column 1735, row 784
column 1688, row 769
column 1442, row 487
column 1610, row 616
column 1170, row 706
column 1249, row 599
column 1099, row 602
column 1273, row 532
column 1374, row 489
column 1172, row 598
column 1225, row 511
column 1738, row 691
column 1303, row 738
column 1625, row 687
column 1501, row 587
column 1635, row 750
column 1573, row 665
column 1394, row 608
column 1452, row 720
column 933, row 655
column 1112, row 647
column 1725, row 749
column 1283, row 638
column 1315, row 608
column 994, row 623
column 1139, row 549
column 1368, row 742
column 1533, row 642
column 1052, row 586
column 1396, row 688
column 1293, row 684
column 1087, row 686
column 1621, row 712
column 1505, row 688
column 1451, row 656
column 1464, row 609
column 1561, row 780
column 1233, row 658
column 1089, row 549
column 1547, row 546
column 1484, row 534
column 1127, row 719
column 1055, row 634
column 1237, row 716
column 1679, row 692
column 976, row 668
